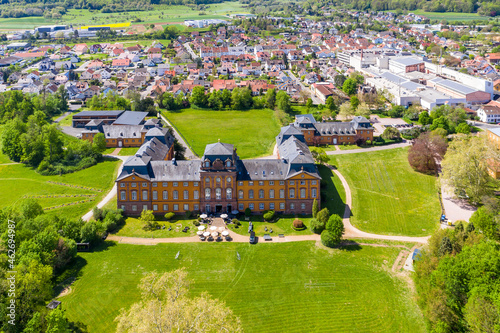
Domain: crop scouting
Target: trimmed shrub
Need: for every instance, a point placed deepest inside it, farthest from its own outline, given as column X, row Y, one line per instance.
column 169, row 216
column 317, row 226
column 188, row 214
column 323, row 216
column 248, row 212
column 328, row 239
column 236, row 222
column 269, row 215
column 196, row 223
column 298, row 225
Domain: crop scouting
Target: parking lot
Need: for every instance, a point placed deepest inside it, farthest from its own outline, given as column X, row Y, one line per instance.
column 381, row 123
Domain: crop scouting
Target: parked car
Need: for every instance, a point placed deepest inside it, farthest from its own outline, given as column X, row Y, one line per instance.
column 252, row 238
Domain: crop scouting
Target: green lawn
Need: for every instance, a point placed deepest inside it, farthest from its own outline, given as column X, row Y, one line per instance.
column 133, row 228
column 388, row 196
column 128, row 151
column 349, row 147
column 252, row 132
column 448, row 16
column 287, row 287
column 282, row 226
column 18, row 181
column 67, row 121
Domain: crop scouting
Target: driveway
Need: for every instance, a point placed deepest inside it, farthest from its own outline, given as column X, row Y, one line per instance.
column 379, row 123
column 456, row 209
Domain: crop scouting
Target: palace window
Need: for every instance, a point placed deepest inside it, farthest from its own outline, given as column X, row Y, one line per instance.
column 251, row 206
column 292, row 206
column 250, row 183
column 217, row 180
column 207, row 180
column 144, row 184
column 271, row 194
column 165, row 184
column 228, row 164
column 313, row 193
column 282, row 205
column 175, row 184
column 302, row 182
column 282, row 182
column 176, row 195
column 240, row 183
column 228, row 179
column 302, row 206
column 240, row 194
column 165, row 195
column 218, row 193
column 155, row 184
column 196, row 195
column 261, row 206
column 250, row 194
column 123, row 207
column 261, row 194
column 186, row 207
column 196, row 207
column 292, row 193
column 207, row 164
column 292, row 182
column 302, row 193
column 176, row 207
column 195, row 184
column 165, row 207
column 123, row 195
column 229, row 193
column 261, row 183
column 241, row 207
column 134, row 184
column 144, row 195
column 134, row 208
column 144, row 207
column 271, row 182
column 271, row 206
column 134, row 195
column 185, row 184
column 207, row 193
column 186, row 195
column 155, row 195
column 282, row 194
column 313, row 182
column 155, row 207
column 122, row 184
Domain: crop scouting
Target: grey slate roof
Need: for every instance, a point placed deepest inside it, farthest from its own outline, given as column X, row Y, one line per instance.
column 261, row 169
column 176, row 170
column 335, row 128
column 286, row 132
column 122, row 131
column 98, row 113
column 154, row 149
column 131, row 118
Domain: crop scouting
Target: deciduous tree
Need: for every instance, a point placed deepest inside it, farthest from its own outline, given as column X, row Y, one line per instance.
column 427, row 152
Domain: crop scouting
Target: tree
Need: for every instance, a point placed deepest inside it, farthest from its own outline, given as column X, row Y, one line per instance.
column 335, row 225
column 165, row 306
column 427, row 152
column 11, row 139
column 363, row 110
column 464, row 167
column 57, row 322
column 350, row 86
column 147, row 217
column 440, row 122
column 283, row 101
column 330, row 103
column 463, row 128
column 323, row 216
column 354, row 102
column 30, row 208
column 487, row 221
column 198, row 97
column 396, row 111
column 315, row 208
column 316, row 226
column 179, row 150
column 446, row 247
column 346, row 111
column 339, row 80
column 99, row 143
column 309, row 104
column 214, row 101
column 390, row 133
column 319, row 155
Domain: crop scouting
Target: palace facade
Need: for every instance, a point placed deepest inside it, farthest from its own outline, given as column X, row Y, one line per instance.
column 220, row 182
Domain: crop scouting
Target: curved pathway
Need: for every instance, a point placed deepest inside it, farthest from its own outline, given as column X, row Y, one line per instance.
column 189, row 154
column 367, row 150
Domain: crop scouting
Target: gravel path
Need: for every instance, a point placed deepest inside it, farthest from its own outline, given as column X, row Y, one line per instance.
column 367, row 150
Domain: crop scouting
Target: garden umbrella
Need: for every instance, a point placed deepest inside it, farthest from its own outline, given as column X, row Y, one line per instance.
column 206, row 234
column 199, row 233
column 203, row 216
column 201, row 227
column 225, row 233
column 215, row 234
column 213, row 228
column 223, row 216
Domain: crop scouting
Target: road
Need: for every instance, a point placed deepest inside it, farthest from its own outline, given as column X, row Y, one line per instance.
column 189, row 154
column 314, row 98
column 190, row 51
column 483, row 126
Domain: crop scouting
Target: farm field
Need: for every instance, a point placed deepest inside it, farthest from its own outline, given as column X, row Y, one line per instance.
column 287, row 287
column 388, row 196
column 252, row 131
column 160, row 14
column 448, row 15
column 89, row 185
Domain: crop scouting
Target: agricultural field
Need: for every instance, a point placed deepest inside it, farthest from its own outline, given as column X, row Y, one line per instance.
column 252, row 131
column 388, row 196
column 75, row 193
column 287, row 287
column 449, row 16
column 161, row 14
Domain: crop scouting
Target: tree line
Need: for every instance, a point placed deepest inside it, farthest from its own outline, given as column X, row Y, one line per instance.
column 46, row 255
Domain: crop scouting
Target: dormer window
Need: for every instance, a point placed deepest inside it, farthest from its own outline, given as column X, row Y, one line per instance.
column 228, row 164
column 207, row 164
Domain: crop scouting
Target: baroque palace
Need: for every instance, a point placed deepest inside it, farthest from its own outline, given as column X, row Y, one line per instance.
column 220, row 182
